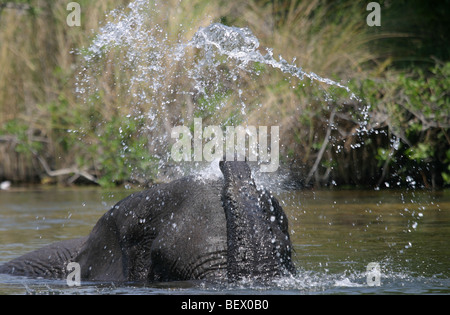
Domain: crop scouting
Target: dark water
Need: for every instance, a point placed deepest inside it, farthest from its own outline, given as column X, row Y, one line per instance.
column 336, row 234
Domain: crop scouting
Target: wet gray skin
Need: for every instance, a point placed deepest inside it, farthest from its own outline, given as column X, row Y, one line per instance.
column 187, row 229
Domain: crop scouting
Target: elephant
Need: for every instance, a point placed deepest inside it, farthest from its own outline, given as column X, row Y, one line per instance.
column 223, row 229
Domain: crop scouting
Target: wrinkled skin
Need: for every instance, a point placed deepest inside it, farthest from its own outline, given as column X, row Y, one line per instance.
column 187, row 229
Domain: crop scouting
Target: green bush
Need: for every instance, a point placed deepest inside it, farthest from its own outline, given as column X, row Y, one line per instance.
column 415, row 107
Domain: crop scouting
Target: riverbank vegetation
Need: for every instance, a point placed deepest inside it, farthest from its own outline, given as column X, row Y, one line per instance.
column 394, row 133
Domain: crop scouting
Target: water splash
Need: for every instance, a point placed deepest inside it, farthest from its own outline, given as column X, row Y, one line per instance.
column 242, row 45
column 166, row 81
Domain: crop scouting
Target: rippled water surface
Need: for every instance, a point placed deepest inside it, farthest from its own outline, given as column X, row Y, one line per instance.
column 336, row 234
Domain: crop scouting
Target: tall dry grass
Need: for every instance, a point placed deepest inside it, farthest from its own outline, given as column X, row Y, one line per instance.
column 38, row 75
column 35, row 58
column 330, row 40
column 37, row 72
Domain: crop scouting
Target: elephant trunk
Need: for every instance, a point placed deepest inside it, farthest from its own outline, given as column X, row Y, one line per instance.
column 257, row 238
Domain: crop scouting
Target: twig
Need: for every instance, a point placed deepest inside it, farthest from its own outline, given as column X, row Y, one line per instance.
column 446, row 135
column 322, row 149
column 65, row 171
column 8, row 138
column 386, row 167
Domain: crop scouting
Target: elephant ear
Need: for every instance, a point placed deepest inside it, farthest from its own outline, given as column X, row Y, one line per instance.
column 47, row 262
column 100, row 258
column 116, row 247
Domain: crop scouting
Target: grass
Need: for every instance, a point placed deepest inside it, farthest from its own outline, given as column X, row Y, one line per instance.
column 117, row 136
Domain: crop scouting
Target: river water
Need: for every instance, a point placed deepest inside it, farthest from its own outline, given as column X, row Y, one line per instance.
column 335, row 233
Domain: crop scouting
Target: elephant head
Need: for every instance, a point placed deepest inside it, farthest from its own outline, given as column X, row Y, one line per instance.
column 222, row 229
